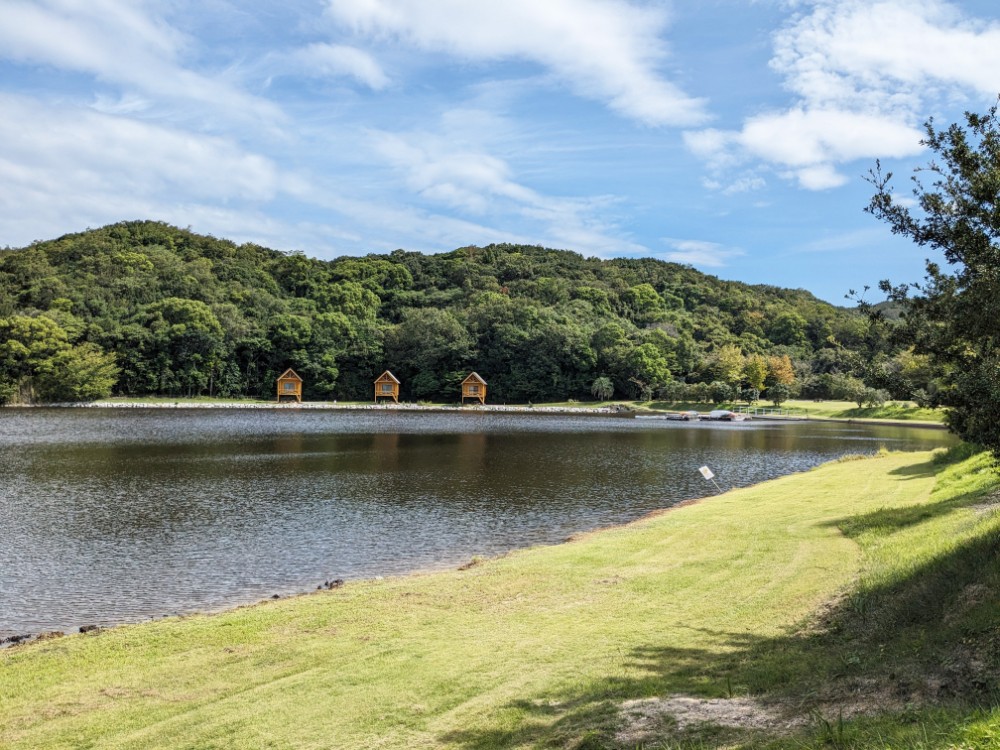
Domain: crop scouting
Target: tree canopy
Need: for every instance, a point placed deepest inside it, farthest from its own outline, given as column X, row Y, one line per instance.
column 952, row 319
column 175, row 313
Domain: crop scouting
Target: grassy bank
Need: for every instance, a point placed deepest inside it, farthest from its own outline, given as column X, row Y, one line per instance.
column 852, row 605
column 892, row 410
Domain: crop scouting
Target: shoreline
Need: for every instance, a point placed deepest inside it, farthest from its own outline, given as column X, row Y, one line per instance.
column 28, row 638
column 602, row 411
column 613, row 410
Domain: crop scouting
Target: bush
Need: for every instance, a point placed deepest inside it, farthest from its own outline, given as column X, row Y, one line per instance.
column 875, row 397
column 674, row 390
column 779, row 393
column 720, row 392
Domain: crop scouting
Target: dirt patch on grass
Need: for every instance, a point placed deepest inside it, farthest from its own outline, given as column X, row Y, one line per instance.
column 648, row 718
column 989, row 504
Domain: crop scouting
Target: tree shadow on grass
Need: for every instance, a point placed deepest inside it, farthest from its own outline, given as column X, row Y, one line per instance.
column 889, row 520
column 923, row 470
column 932, row 636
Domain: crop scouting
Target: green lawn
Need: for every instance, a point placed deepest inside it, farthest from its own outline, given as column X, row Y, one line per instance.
column 893, row 410
column 860, row 585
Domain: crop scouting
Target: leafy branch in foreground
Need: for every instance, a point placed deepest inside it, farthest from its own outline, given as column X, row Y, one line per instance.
column 953, row 317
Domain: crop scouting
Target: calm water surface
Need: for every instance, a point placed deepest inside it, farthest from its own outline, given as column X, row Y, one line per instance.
column 110, row 516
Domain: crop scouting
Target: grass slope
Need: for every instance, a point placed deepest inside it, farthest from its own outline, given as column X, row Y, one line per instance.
column 849, row 587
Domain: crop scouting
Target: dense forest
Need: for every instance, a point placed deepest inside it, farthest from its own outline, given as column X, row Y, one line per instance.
column 144, row 308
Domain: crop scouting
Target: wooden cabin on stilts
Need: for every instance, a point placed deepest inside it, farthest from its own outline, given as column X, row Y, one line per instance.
column 290, row 386
column 387, row 386
column 474, row 387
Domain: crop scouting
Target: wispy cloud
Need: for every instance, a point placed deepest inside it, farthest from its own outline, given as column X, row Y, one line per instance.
column 843, row 241
column 446, row 172
column 609, row 50
column 123, row 43
column 700, row 253
column 339, row 60
column 863, row 74
column 75, row 167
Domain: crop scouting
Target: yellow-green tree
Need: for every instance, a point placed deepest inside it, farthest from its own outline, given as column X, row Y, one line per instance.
column 755, row 371
column 780, row 371
column 729, row 364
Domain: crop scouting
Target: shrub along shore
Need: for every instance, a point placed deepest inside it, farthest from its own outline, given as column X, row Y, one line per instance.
column 851, row 605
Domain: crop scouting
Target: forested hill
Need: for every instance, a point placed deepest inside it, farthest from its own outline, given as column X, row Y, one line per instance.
column 147, row 308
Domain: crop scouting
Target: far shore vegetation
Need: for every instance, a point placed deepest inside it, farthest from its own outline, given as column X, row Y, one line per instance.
column 851, row 606
column 143, row 309
column 840, row 410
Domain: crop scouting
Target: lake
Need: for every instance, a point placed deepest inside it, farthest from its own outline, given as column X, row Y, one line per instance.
column 119, row 515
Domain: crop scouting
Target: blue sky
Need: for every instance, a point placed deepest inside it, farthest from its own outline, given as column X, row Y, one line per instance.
column 731, row 135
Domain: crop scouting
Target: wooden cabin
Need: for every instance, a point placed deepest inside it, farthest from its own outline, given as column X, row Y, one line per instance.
column 387, row 386
column 289, row 386
column 474, row 387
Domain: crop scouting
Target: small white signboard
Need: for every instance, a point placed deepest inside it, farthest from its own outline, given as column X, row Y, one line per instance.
column 706, row 472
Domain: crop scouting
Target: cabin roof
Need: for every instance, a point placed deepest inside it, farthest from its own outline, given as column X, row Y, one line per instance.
column 289, row 374
column 475, row 378
column 388, row 375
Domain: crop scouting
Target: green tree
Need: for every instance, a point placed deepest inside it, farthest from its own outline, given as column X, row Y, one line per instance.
column 186, row 345
column 755, row 371
column 37, row 362
column 953, row 317
column 649, row 367
column 788, row 328
column 431, row 342
column 602, row 388
column 78, row 373
column 779, row 393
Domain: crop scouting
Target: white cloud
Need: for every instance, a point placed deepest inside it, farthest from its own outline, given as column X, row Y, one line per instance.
column 745, row 185
column 864, row 75
column 117, row 41
column 340, row 60
column 817, row 177
column 75, row 167
column 447, row 171
column 608, row 50
column 700, row 253
column 847, row 48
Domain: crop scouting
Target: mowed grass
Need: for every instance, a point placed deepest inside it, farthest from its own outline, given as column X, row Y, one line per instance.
column 892, row 410
column 541, row 648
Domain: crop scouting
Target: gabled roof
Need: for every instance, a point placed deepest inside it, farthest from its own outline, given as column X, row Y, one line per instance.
column 475, row 378
column 289, row 374
column 388, row 374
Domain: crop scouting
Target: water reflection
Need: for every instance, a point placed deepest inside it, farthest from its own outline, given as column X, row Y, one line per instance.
column 110, row 516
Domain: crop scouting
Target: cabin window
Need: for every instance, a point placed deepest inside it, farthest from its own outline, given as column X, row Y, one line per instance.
column 386, row 388
column 473, row 389
column 289, row 386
